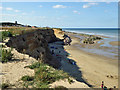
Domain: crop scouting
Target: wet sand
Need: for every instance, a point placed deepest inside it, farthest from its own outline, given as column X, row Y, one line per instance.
column 92, row 68
column 115, row 43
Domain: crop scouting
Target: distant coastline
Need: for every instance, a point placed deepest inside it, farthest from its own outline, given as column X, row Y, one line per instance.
column 103, row 47
column 109, row 32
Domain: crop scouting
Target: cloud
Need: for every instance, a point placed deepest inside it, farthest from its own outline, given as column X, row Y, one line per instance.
column 7, row 14
column 108, row 2
column 105, row 11
column 85, row 0
column 59, row 6
column 17, row 10
column 40, row 6
column 89, row 5
column 24, row 13
column 1, row 8
column 9, row 9
column 75, row 11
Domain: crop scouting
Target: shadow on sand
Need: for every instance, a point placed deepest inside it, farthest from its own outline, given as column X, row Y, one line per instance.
column 68, row 65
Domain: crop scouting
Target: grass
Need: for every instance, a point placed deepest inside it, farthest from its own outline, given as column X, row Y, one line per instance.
column 6, row 34
column 5, row 85
column 33, row 66
column 6, row 55
column 60, row 88
column 22, row 30
column 44, row 75
column 0, row 36
column 27, row 78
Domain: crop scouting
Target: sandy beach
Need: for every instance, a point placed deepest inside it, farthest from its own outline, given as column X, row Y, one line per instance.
column 90, row 68
column 115, row 43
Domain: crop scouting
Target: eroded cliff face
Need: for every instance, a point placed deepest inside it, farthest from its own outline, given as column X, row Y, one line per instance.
column 35, row 44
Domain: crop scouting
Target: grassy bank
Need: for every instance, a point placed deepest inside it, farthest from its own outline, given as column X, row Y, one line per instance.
column 44, row 75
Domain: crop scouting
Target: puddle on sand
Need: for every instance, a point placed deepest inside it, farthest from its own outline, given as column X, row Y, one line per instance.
column 107, row 53
column 107, row 41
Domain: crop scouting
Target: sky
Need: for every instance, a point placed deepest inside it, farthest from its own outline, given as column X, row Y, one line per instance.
column 61, row 14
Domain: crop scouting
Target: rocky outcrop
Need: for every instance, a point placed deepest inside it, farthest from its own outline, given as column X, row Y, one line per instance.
column 35, row 44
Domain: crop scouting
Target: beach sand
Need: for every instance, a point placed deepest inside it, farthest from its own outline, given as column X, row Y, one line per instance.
column 115, row 43
column 12, row 72
column 90, row 68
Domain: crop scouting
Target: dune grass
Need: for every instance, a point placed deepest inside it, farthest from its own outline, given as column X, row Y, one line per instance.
column 4, row 85
column 44, row 75
column 6, row 55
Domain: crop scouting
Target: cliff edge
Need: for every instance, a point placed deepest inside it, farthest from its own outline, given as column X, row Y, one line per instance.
column 35, row 44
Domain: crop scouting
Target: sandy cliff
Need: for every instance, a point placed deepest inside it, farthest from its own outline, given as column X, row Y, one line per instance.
column 35, row 44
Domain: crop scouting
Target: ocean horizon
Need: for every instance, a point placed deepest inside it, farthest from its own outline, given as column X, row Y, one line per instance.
column 109, row 32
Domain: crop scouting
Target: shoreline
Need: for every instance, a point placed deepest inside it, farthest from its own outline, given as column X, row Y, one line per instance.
column 115, row 43
column 89, row 69
column 100, row 47
column 103, row 36
column 94, row 68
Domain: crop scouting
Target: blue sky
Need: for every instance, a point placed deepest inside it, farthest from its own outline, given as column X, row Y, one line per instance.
column 61, row 14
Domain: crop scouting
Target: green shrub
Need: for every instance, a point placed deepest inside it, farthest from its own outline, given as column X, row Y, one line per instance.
column 70, row 80
column 44, row 75
column 6, row 34
column 60, row 88
column 27, row 78
column 5, row 85
column 33, row 66
column 0, row 36
column 6, row 55
column 48, row 74
column 42, row 85
column 0, row 53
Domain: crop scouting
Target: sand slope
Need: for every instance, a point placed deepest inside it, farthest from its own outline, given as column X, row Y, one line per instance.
column 13, row 71
column 92, row 68
column 66, row 84
column 95, row 69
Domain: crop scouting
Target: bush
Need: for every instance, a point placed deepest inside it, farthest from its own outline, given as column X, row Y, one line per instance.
column 60, row 88
column 27, row 78
column 0, row 36
column 6, row 34
column 33, row 66
column 0, row 52
column 70, row 80
column 6, row 55
column 44, row 75
column 5, row 85
column 48, row 74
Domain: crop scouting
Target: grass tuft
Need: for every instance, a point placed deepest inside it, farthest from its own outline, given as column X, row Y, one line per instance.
column 6, row 55
column 60, row 88
column 5, row 85
column 27, row 78
column 45, row 75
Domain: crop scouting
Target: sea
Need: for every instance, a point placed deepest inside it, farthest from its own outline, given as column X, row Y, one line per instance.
column 112, row 34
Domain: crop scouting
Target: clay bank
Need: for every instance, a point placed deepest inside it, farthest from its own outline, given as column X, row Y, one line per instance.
column 35, row 44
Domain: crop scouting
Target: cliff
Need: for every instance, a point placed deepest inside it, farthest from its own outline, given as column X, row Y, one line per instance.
column 35, row 44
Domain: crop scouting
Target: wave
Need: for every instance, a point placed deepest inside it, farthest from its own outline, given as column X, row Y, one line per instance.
column 114, row 35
